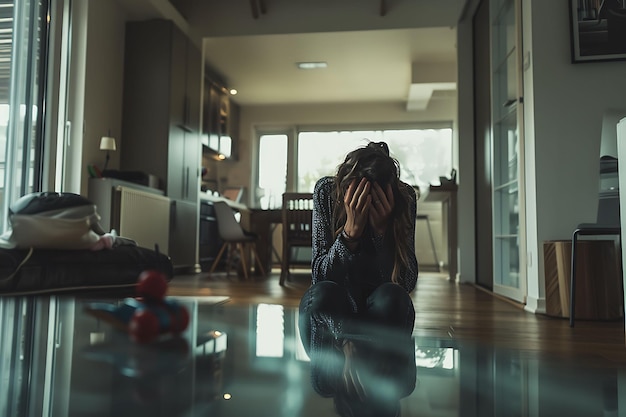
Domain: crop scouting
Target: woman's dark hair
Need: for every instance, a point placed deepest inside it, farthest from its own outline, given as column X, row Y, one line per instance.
column 374, row 163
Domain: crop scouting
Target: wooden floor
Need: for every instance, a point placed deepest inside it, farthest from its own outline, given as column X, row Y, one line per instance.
column 449, row 312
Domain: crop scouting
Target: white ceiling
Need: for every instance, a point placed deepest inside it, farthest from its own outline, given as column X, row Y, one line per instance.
column 370, row 65
column 371, row 56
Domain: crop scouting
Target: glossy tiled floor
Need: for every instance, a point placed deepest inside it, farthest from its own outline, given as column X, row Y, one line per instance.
column 245, row 359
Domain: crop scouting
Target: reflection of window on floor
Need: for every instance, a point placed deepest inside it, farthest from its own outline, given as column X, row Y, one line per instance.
column 270, row 331
column 434, row 357
column 424, row 155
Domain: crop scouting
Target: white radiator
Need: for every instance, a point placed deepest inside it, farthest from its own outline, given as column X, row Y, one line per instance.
column 143, row 217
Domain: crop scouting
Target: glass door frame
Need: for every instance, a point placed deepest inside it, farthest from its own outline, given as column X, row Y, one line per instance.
column 512, row 85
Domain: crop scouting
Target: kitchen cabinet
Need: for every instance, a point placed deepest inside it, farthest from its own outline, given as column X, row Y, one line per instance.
column 210, row 126
column 161, row 123
column 221, row 122
column 232, row 127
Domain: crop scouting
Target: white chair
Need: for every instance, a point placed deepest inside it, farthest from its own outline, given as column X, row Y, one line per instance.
column 235, row 238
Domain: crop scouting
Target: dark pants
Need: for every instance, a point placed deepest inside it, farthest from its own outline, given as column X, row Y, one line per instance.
column 326, row 312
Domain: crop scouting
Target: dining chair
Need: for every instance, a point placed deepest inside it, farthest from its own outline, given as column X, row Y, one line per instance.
column 235, row 239
column 607, row 223
column 297, row 213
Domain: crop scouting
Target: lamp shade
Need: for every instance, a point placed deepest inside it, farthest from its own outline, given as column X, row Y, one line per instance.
column 107, row 143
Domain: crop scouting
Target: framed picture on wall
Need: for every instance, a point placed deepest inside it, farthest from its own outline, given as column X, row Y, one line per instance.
column 598, row 30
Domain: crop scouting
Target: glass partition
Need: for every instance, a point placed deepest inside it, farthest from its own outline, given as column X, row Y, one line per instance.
column 23, row 37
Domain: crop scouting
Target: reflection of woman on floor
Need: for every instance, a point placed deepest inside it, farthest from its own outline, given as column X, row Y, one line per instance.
column 363, row 269
column 368, row 375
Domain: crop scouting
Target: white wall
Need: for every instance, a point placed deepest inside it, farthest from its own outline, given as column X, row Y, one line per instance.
column 567, row 105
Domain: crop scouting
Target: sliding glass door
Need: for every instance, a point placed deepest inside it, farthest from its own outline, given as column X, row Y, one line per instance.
column 23, row 46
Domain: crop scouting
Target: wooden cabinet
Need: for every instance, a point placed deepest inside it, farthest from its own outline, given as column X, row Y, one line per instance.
column 161, row 123
column 598, row 288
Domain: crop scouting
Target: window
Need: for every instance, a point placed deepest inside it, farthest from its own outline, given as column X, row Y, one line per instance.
column 320, row 153
column 23, row 34
column 272, row 169
column 424, row 154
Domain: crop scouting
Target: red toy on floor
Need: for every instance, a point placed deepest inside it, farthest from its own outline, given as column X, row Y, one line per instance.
column 149, row 315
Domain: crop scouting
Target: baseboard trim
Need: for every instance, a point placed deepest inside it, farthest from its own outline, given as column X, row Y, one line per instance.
column 535, row 305
column 498, row 296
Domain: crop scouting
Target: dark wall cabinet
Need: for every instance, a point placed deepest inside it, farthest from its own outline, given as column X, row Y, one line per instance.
column 221, row 121
column 210, row 125
column 161, row 123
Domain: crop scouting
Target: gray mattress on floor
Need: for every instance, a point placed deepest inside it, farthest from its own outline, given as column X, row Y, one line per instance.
column 48, row 271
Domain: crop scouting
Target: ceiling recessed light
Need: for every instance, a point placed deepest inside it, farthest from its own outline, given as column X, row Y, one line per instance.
column 311, row 65
column 233, row 91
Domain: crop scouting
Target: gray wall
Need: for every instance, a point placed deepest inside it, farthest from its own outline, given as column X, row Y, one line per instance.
column 104, row 69
column 564, row 105
column 466, row 164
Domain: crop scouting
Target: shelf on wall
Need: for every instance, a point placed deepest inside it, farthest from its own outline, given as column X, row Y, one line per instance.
column 213, row 153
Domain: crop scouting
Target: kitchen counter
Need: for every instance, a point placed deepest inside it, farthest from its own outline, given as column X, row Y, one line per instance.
column 204, row 196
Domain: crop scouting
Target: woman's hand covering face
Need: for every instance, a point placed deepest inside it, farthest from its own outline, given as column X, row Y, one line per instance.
column 357, row 203
column 381, row 208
